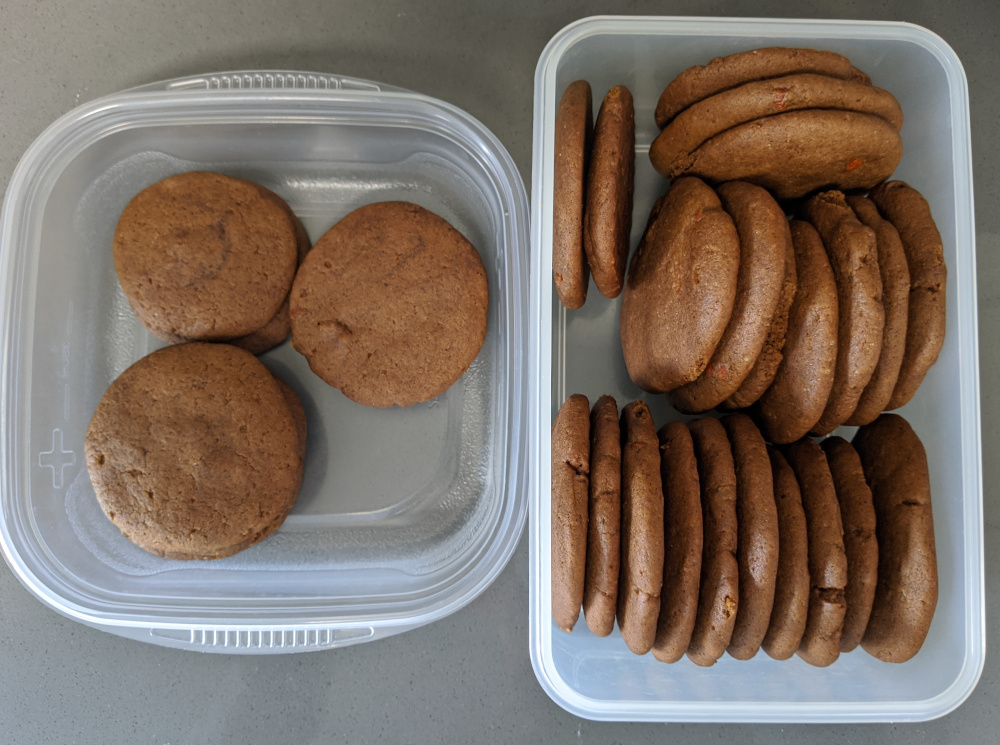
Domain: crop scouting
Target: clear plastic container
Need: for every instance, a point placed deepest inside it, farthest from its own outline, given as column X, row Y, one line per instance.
column 580, row 352
column 405, row 515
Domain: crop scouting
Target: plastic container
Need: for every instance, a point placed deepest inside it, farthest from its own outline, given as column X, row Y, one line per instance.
column 580, row 352
column 405, row 515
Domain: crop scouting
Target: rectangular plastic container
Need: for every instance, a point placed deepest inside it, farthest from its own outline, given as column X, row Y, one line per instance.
column 580, row 352
column 405, row 515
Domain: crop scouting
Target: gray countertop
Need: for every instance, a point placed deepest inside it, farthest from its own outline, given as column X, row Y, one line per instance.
column 468, row 677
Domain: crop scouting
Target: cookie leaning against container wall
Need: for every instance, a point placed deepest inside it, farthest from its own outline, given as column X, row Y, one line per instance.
column 895, row 465
column 910, row 214
column 574, row 130
column 681, row 287
column 570, row 486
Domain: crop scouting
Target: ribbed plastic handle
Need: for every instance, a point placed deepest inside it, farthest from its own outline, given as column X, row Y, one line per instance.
column 264, row 640
column 264, row 80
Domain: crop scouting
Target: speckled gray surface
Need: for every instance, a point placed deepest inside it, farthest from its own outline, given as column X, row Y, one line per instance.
column 466, row 678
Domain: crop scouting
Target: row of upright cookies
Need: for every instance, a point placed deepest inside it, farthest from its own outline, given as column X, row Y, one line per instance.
column 700, row 539
column 780, row 274
column 197, row 450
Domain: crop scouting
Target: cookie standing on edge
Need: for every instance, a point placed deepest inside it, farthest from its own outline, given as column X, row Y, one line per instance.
column 827, row 561
column 641, row 571
column 791, row 595
column 854, row 258
column 570, row 486
column 600, row 592
column 607, row 214
column 205, row 257
column 909, row 213
column 801, row 387
column 722, row 73
column 168, row 445
column 765, row 368
column 764, row 236
column 895, row 302
column 683, row 543
column 718, row 597
column 390, row 306
column 681, row 288
column 574, row 128
column 757, row 532
column 858, row 515
column 895, row 465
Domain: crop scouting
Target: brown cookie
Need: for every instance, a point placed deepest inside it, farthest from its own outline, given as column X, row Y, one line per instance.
column 854, row 258
column 895, row 298
column 820, row 644
column 757, row 531
column 641, row 571
column 791, row 594
column 801, row 387
column 722, row 73
column 298, row 413
column 574, row 127
column 681, row 288
column 819, row 148
column 671, row 150
column 895, row 466
column 168, row 446
column 607, row 215
column 908, row 211
column 600, row 593
column 858, row 516
column 390, row 305
column 683, row 537
column 764, row 236
column 570, row 484
column 204, row 256
column 765, row 368
column 718, row 597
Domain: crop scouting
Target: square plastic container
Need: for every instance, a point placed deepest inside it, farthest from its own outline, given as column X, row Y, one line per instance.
column 404, row 515
column 580, row 352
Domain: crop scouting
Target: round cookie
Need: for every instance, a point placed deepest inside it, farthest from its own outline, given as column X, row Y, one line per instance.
column 762, row 373
column 820, row 644
column 574, row 128
column 683, row 538
column 570, row 485
column 757, row 530
column 722, row 73
column 168, row 446
column 204, row 256
column 801, row 387
column 600, row 592
column 764, row 237
column 895, row 296
column 390, row 305
column 641, row 572
column 854, row 259
column 819, row 149
column 895, row 466
column 909, row 213
column 791, row 594
column 671, row 151
column 718, row 597
column 858, row 516
column 607, row 215
column 681, row 288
